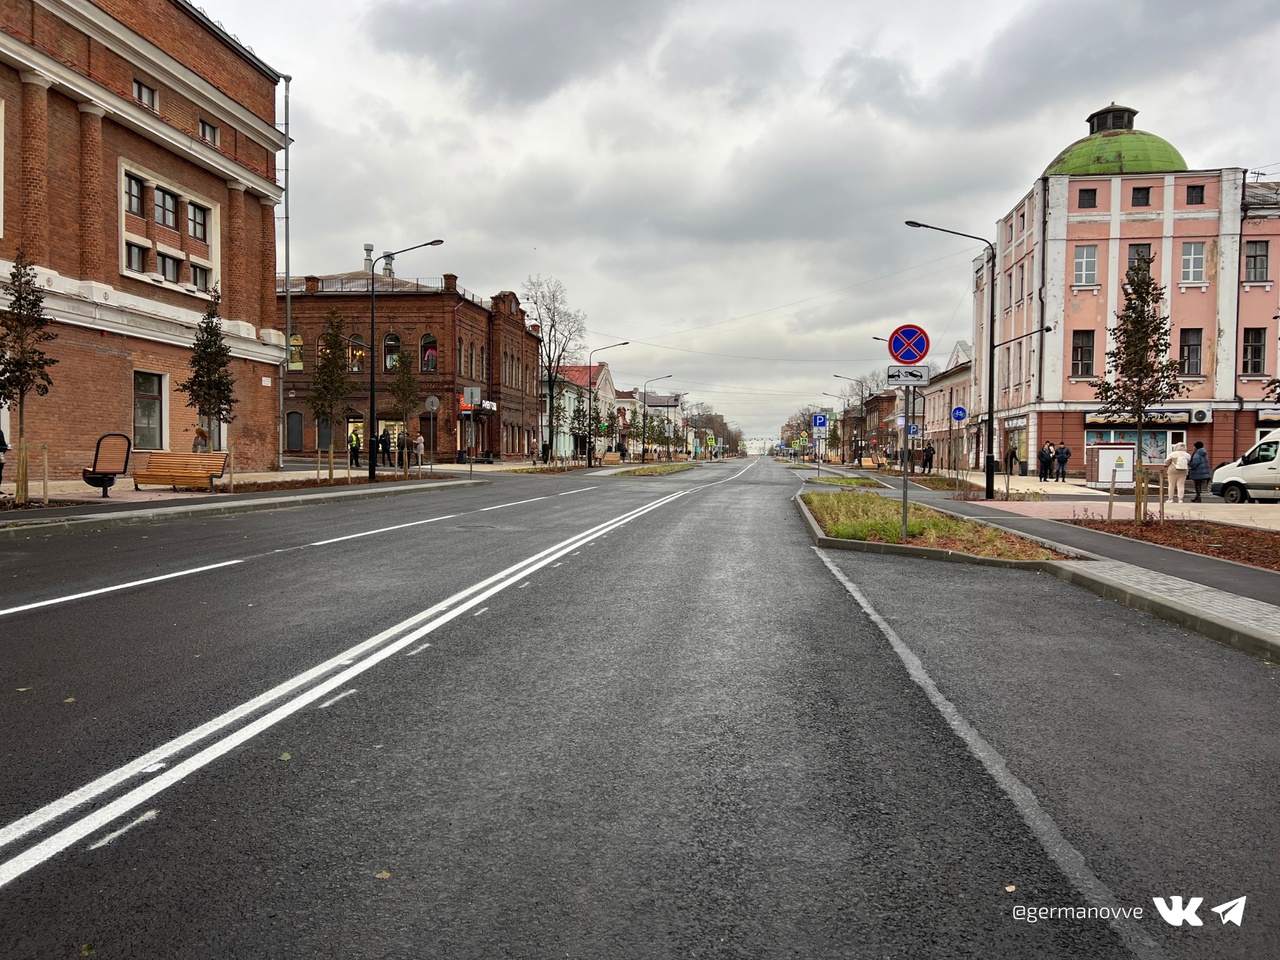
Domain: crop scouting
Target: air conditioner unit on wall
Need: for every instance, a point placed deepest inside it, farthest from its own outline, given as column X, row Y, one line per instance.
column 1202, row 415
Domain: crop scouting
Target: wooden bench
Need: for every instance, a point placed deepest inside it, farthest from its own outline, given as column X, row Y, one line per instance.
column 610, row 459
column 181, row 469
column 110, row 460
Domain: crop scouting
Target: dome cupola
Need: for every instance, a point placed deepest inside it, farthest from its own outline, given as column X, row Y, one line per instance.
column 1114, row 146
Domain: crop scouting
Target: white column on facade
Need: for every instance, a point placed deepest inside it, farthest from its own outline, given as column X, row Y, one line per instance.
column 1230, row 223
column 1051, row 233
column 1115, row 273
column 1167, row 253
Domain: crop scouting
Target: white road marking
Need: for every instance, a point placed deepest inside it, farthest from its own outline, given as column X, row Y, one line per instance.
column 513, row 504
column 419, row 625
column 149, row 815
column 413, row 653
column 154, row 767
column 370, row 533
column 119, row 586
column 332, row 700
column 581, row 490
column 1069, row 860
column 480, row 611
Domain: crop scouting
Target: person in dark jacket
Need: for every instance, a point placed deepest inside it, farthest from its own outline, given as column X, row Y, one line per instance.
column 384, row 447
column 4, row 448
column 1011, row 461
column 1198, row 471
column 1045, row 456
column 1061, row 455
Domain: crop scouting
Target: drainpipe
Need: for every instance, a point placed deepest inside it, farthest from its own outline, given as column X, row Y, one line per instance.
column 288, row 296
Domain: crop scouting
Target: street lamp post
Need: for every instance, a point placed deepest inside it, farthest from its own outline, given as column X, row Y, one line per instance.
column 862, row 403
column 844, row 428
column 371, row 263
column 644, row 417
column 991, row 350
column 591, row 399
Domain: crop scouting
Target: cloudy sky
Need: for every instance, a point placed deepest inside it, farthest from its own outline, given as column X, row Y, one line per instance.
column 723, row 183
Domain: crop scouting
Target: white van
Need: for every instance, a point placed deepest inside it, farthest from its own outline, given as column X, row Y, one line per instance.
column 1255, row 476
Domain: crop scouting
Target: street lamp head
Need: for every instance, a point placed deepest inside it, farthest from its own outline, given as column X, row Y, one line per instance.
column 435, row 243
column 914, row 223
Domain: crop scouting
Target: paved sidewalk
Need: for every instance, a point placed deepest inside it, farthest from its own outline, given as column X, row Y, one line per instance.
column 1229, row 602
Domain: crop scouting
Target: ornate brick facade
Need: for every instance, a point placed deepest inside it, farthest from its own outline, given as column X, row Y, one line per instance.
column 125, row 183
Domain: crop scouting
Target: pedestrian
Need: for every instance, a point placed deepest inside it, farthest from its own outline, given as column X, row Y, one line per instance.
column 1198, row 470
column 384, row 448
column 927, row 461
column 4, row 448
column 353, row 446
column 1178, row 463
column 1045, row 456
column 419, row 447
column 1062, row 454
column 402, row 444
column 1011, row 460
column 200, row 443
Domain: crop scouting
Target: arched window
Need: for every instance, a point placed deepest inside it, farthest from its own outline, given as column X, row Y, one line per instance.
column 355, row 355
column 295, row 352
column 390, row 351
column 430, row 354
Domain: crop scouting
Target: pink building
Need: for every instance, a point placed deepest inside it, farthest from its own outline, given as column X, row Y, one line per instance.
column 1062, row 252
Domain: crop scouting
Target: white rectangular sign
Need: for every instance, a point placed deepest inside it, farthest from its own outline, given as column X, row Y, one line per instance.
column 907, row 376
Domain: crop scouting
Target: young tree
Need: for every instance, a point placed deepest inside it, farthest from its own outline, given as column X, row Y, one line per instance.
column 331, row 384
column 404, row 391
column 24, row 366
column 211, row 388
column 580, row 424
column 563, row 335
column 1141, row 374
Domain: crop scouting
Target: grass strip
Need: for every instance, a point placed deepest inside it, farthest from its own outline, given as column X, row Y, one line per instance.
column 863, row 516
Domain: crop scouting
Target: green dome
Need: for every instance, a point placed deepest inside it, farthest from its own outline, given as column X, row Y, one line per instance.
column 1113, row 146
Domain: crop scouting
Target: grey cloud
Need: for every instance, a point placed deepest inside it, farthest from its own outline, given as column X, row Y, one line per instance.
column 516, row 51
column 1054, row 53
column 746, row 67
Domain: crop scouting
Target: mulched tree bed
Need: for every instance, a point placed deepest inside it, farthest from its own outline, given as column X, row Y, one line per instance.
column 1257, row 548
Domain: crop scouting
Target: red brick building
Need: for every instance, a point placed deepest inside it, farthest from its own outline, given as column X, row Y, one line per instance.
column 455, row 340
column 137, row 148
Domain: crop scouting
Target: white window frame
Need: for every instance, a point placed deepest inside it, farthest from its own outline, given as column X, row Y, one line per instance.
column 209, row 132
column 146, row 95
column 1193, row 261
column 1086, row 265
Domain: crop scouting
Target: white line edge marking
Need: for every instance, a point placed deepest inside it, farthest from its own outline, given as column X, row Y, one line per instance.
column 513, row 504
column 414, row 653
column 149, row 815
column 1067, row 858
column 119, row 586
column 582, row 490
column 332, row 700
column 480, row 611
column 77, row 831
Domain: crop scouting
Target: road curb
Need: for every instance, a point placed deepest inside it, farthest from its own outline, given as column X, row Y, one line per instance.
column 26, row 528
column 1248, row 638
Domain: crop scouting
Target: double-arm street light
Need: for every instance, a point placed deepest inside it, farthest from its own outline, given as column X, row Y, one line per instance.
column 371, row 263
column 591, row 399
column 644, row 417
column 991, row 350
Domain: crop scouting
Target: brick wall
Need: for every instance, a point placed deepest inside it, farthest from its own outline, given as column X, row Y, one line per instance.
column 92, row 394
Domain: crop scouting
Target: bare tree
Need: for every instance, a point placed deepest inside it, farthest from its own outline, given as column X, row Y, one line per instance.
column 563, row 333
column 331, row 384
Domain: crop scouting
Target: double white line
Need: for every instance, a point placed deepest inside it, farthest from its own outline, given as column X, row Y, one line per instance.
column 301, row 690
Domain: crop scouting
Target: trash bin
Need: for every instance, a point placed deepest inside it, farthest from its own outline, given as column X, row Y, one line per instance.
column 1022, row 468
column 462, row 456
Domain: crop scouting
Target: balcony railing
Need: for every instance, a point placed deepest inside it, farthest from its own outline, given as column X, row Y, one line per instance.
column 382, row 284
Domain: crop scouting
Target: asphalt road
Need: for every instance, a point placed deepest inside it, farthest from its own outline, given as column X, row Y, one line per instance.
column 575, row 716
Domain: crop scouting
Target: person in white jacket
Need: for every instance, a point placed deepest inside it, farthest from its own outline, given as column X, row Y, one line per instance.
column 1178, row 461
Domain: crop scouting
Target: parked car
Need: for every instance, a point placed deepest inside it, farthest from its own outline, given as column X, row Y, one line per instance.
column 1255, row 476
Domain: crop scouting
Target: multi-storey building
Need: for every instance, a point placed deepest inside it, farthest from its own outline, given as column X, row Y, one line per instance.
column 138, row 147
column 1113, row 197
column 454, row 340
column 946, row 394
